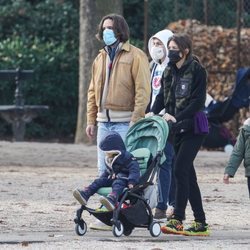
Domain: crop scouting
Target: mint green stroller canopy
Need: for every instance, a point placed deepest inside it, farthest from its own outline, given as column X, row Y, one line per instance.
column 146, row 137
column 151, row 133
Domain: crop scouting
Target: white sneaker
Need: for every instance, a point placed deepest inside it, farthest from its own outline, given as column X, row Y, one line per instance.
column 170, row 212
column 98, row 225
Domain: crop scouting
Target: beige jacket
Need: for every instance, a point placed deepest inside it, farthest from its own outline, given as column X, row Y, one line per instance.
column 129, row 83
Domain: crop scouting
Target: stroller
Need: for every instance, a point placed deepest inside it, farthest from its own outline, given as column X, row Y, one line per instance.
column 219, row 112
column 146, row 140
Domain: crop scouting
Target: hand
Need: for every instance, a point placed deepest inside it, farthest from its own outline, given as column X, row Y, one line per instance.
column 113, row 176
column 130, row 186
column 226, row 179
column 90, row 131
column 149, row 114
column 131, row 123
column 169, row 117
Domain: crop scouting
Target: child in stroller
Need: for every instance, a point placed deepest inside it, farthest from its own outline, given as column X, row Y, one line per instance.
column 145, row 140
column 122, row 170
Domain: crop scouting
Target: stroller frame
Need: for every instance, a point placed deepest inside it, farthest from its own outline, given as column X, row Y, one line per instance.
column 122, row 218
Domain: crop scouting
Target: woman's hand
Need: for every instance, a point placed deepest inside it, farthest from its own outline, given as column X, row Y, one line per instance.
column 149, row 114
column 169, row 117
column 131, row 123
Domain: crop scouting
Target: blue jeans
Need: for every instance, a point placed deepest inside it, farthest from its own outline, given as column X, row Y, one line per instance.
column 165, row 185
column 103, row 129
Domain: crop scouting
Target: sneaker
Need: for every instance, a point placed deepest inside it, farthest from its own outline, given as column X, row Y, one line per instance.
column 81, row 196
column 108, row 202
column 170, row 212
column 173, row 227
column 98, row 225
column 101, row 209
column 197, row 229
column 160, row 214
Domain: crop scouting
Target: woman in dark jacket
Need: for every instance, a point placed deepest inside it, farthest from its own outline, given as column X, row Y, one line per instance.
column 183, row 95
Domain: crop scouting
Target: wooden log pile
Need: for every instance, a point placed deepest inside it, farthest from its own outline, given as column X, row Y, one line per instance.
column 216, row 48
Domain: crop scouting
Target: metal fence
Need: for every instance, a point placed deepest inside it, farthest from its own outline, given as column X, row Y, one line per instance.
column 234, row 14
column 229, row 14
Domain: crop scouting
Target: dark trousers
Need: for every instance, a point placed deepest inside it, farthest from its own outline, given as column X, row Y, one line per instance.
column 117, row 185
column 172, row 190
column 187, row 189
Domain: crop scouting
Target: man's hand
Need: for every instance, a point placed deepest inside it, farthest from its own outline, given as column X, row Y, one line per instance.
column 226, row 178
column 130, row 186
column 90, row 131
column 169, row 117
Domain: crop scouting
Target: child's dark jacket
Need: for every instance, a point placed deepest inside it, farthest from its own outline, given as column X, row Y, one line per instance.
column 124, row 165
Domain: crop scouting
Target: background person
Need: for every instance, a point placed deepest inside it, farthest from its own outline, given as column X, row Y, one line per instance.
column 241, row 151
column 157, row 47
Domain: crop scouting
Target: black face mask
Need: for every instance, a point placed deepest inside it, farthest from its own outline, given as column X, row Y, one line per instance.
column 174, row 56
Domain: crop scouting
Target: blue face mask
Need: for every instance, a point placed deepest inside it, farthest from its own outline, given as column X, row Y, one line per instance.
column 109, row 37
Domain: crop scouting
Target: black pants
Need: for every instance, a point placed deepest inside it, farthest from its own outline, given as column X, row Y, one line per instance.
column 186, row 148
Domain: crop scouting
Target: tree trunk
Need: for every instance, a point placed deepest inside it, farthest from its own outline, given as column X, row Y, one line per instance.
column 91, row 12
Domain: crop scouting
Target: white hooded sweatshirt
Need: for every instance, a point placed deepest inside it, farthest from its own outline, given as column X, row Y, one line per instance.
column 158, row 68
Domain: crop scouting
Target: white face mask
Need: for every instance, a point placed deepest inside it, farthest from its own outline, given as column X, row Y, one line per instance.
column 157, row 53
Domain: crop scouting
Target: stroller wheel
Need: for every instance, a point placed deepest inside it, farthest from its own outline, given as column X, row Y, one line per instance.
column 81, row 228
column 155, row 229
column 116, row 231
column 127, row 232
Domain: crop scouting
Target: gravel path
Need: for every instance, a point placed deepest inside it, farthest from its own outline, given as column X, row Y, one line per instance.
column 37, row 208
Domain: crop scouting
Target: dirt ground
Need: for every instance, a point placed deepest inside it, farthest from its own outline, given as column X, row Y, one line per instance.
column 37, row 207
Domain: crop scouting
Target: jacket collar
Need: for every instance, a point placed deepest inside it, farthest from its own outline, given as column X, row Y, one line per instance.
column 122, row 46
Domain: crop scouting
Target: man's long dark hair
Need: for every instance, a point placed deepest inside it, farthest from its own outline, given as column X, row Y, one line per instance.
column 120, row 27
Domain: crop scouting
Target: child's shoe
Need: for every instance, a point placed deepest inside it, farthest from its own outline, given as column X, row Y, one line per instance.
column 197, row 229
column 173, row 227
column 81, row 196
column 160, row 214
column 108, row 202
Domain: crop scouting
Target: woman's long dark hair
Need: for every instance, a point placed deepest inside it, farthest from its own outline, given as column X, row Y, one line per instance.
column 183, row 41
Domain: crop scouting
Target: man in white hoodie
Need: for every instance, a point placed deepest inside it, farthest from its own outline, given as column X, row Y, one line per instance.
column 157, row 46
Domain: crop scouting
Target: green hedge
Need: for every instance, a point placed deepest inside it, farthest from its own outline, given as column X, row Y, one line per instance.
column 42, row 36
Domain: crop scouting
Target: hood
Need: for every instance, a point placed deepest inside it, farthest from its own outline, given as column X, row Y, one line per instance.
column 247, row 122
column 112, row 142
column 246, row 127
column 162, row 35
column 209, row 100
column 241, row 92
